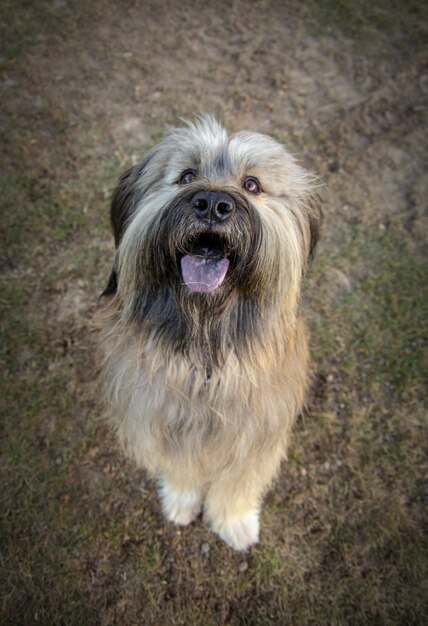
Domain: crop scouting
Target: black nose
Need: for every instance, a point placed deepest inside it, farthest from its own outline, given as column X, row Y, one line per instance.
column 213, row 206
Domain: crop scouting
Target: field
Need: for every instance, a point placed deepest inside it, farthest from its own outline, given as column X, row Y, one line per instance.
column 86, row 89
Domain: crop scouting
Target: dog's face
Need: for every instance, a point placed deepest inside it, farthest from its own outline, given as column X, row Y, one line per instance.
column 209, row 223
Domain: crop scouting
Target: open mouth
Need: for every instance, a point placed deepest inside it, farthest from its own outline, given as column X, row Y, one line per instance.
column 205, row 267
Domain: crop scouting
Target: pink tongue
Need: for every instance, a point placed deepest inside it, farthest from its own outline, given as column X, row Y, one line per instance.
column 203, row 274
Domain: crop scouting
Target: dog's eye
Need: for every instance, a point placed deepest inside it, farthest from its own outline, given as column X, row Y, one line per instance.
column 187, row 177
column 252, row 185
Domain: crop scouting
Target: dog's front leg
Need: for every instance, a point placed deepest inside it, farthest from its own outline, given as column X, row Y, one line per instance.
column 232, row 509
column 181, row 503
column 233, row 501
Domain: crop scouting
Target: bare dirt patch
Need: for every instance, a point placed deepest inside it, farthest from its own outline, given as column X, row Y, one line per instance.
column 86, row 88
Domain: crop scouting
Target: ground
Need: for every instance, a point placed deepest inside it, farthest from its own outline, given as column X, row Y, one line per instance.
column 86, row 89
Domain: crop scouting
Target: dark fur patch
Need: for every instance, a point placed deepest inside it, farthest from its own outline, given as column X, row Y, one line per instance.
column 124, row 202
column 201, row 326
column 201, row 333
column 175, row 228
column 315, row 221
column 111, row 287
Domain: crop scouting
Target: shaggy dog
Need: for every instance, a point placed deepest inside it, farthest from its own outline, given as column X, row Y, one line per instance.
column 205, row 355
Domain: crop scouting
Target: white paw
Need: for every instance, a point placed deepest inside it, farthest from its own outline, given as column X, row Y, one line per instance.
column 239, row 532
column 180, row 507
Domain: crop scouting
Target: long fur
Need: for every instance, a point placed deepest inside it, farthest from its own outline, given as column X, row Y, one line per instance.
column 203, row 388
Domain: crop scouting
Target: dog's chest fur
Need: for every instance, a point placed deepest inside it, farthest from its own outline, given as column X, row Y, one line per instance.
column 166, row 406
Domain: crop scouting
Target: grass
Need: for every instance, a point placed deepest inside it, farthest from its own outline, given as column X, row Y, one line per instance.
column 44, row 216
column 370, row 23
column 379, row 327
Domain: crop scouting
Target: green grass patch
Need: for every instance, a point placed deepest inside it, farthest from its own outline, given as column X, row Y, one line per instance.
column 36, row 214
column 43, row 220
column 377, row 330
column 404, row 23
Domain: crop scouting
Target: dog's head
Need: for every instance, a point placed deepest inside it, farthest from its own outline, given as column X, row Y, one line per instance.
column 209, row 221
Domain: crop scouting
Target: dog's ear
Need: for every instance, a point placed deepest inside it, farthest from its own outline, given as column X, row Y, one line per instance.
column 124, row 202
column 122, row 207
column 315, row 217
column 111, row 287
